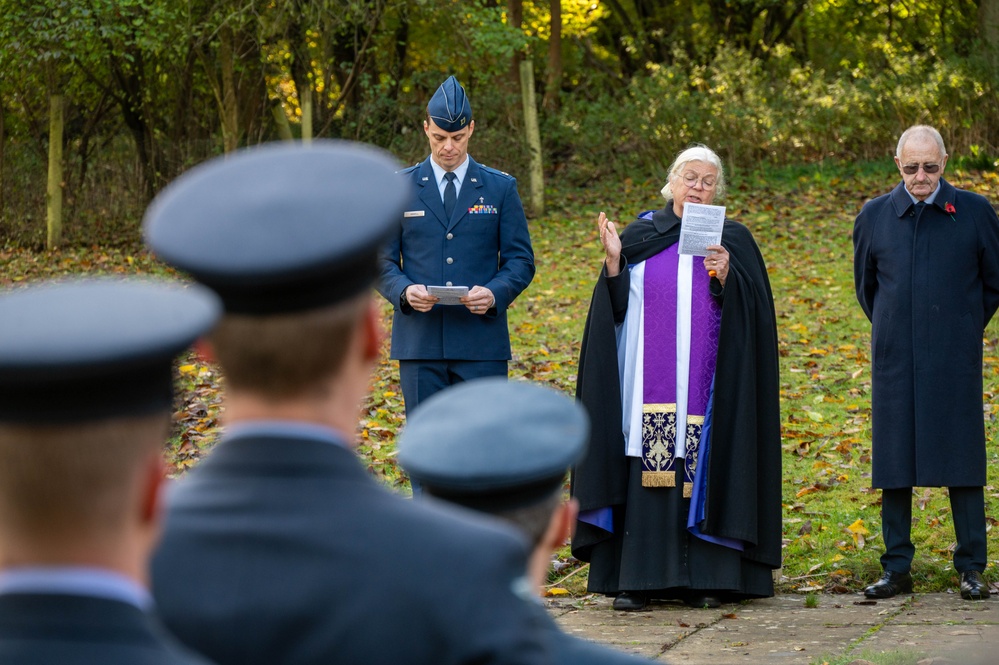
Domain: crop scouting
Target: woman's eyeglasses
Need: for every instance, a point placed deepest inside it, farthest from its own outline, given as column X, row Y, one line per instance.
column 913, row 169
column 691, row 179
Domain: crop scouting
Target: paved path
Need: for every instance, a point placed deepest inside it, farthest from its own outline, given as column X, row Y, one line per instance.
column 940, row 626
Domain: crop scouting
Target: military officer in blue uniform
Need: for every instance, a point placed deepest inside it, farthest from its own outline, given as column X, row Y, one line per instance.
column 279, row 547
column 509, row 461
column 85, row 403
column 463, row 227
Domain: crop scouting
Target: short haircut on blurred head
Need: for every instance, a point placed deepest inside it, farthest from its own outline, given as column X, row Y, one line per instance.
column 287, row 355
column 76, row 477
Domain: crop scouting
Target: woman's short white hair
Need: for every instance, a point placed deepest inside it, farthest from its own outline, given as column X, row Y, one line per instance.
column 695, row 153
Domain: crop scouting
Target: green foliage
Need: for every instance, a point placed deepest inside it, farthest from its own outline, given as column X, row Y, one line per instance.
column 775, row 111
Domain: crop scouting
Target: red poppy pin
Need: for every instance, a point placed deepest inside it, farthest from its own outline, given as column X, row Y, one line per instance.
column 949, row 208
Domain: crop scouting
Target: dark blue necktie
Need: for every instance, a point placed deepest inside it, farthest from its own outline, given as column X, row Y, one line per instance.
column 450, row 194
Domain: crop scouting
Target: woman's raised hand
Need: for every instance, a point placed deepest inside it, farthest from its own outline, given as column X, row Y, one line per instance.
column 612, row 244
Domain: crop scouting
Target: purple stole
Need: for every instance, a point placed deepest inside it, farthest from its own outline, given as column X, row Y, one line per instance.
column 659, row 417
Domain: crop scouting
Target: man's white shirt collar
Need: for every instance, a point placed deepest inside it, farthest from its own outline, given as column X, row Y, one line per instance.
column 458, row 172
column 75, row 581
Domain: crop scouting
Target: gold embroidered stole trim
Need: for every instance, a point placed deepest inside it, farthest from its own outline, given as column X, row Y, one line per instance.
column 659, row 447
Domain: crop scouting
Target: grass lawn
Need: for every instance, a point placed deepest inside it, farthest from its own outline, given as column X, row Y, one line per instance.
column 802, row 219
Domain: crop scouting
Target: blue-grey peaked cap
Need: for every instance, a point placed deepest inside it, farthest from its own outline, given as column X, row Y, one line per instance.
column 492, row 444
column 449, row 108
column 86, row 349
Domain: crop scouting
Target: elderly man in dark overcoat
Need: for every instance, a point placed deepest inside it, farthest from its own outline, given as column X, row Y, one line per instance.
column 464, row 226
column 926, row 267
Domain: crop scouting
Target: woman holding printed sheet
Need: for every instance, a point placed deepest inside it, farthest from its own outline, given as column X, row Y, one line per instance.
column 678, row 342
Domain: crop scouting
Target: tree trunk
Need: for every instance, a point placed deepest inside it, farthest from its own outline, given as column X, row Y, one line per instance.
column 53, row 203
column 281, row 120
column 228, row 99
column 988, row 22
column 515, row 17
column 306, row 103
column 533, row 135
column 554, row 81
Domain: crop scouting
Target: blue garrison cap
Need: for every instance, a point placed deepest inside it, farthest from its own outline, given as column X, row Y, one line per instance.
column 89, row 349
column 449, row 108
column 283, row 227
column 492, row 444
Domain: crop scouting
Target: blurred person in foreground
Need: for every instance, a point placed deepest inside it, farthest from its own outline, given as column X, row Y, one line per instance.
column 279, row 547
column 463, row 226
column 680, row 489
column 511, row 462
column 926, row 268
column 86, row 393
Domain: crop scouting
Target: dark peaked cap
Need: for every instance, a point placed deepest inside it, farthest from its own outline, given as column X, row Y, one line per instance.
column 283, row 227
column 492, row 444
column 449, row 108
column 98, row 348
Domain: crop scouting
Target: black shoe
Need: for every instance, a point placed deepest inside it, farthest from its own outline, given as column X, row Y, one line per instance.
column 702, row 600
column 629, row 601
column 973, row 587
column 891, row 584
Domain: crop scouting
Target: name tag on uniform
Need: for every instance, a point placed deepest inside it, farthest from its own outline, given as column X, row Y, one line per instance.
column 414, row 213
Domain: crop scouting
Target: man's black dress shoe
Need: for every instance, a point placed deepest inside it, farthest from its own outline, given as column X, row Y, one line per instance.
column 891, row 584
column 973, row 587
column 629, row 601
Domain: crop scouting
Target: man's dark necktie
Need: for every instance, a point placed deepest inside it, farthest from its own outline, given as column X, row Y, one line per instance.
column 450, row 194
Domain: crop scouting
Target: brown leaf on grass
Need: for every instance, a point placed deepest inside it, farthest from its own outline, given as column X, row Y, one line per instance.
column 806, row 528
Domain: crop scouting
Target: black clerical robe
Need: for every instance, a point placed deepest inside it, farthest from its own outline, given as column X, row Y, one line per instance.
column 744, row 467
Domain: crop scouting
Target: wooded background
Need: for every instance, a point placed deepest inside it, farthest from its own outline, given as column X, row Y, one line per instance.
column 108, row 100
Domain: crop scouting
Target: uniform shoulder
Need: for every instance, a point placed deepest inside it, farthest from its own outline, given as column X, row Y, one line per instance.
column 410, row 169
column 496, row 172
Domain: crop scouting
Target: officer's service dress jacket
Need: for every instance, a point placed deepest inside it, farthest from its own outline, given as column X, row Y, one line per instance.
column 929, row 282
column 284, row 550
column 484, row 243
column 83, row 630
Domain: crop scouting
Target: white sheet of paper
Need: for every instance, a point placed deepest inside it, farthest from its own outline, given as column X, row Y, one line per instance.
column 700, row 226
column 448, row 295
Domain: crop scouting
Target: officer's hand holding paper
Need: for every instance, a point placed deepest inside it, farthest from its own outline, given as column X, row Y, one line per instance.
column 700, row 226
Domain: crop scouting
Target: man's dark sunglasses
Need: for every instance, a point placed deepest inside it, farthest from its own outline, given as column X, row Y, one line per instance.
column 913, row 169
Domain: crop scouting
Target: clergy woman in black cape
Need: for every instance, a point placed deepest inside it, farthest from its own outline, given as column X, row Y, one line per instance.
column 680, row 343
